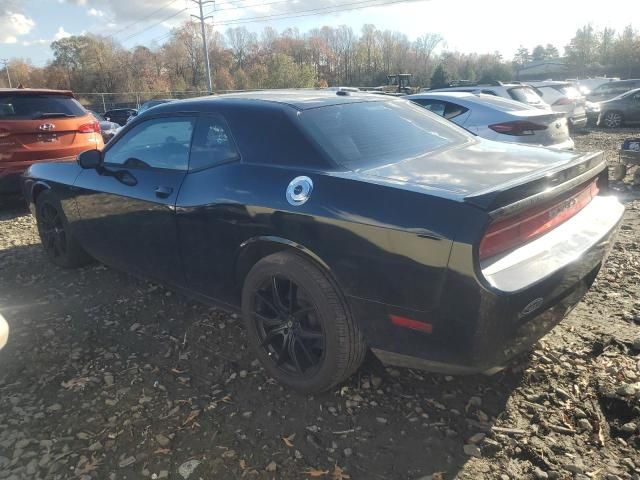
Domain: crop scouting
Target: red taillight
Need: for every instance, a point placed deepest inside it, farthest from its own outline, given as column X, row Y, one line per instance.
column 411, row 324
column 518, row 127
column 563, row 101
column 93, row 127
column 506, row 234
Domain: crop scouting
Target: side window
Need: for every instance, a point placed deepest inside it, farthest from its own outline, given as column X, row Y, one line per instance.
column 156, row 143
column 490, row 92
column 452, row 110
column 436, row 106
column 212, row 144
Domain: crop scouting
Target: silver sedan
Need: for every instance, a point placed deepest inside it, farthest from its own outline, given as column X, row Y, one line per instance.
column 499, row 119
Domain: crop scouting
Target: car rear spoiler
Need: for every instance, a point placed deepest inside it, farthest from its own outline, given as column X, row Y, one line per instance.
column 538, row 187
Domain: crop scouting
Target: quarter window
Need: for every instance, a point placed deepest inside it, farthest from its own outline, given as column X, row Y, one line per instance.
column 156, row 143
column 212, row 144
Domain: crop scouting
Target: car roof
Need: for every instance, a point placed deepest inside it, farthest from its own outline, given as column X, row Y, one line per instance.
column 40, row 91
column 298, row 99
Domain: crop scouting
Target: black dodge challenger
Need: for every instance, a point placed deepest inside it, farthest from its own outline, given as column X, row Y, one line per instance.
column 339, row 222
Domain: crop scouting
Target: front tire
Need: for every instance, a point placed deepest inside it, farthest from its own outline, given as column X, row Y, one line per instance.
column 612, row 119
column 299, row 324
column 55, row 234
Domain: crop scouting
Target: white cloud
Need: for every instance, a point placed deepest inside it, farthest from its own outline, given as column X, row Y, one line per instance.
column 94, row 12
column 61, row 33
column 13, row 25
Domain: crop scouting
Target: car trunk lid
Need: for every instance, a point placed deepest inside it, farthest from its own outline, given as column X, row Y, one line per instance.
column 476, row 172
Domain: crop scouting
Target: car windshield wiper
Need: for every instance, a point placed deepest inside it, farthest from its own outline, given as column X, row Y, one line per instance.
column 53, row 115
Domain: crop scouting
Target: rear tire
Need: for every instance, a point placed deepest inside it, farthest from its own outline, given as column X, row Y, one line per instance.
column 612, row 119
column 55, row 234
column 299, row 324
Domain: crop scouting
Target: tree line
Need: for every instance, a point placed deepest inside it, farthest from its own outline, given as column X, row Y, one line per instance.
column 326, row 56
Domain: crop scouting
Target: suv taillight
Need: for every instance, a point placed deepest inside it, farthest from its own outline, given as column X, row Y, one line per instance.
column 506, row 234
column 517, row 128
column 93, row 127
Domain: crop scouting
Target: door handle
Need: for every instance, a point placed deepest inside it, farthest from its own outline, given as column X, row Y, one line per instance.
column 163, row 192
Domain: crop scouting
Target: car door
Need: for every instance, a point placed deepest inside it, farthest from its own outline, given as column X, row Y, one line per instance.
column 633, row 109
column 127, row 207
column 208, row 223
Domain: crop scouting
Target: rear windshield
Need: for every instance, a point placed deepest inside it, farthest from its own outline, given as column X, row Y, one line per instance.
column 369, row 134
column 525, row 95
column 502, row 104
column 23, row 107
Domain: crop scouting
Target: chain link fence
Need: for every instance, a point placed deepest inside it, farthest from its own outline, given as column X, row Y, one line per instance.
column 101, row 102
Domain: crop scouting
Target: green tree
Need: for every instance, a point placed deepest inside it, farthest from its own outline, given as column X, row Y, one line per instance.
column 539, row 53
column 440, row 77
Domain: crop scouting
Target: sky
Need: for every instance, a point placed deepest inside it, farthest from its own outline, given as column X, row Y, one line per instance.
column 27, row 27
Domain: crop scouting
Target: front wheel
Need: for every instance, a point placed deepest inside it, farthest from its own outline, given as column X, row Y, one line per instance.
column 299, row 324
column 612, row 119
column 59, row 243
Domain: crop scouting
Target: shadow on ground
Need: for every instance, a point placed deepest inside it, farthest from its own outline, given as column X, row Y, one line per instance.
column 105, row 373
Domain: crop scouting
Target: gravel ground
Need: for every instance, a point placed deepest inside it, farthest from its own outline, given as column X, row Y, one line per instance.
column 106, row 376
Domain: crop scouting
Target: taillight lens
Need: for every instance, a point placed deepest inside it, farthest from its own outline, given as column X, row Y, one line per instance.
column 518, row 127
column 563, row 101
column 506, row 234
column 93, row 127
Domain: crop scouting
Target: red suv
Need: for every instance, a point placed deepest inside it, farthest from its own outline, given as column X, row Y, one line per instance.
column 41, row 125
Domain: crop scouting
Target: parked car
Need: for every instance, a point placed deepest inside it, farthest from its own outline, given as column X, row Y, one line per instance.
column 565, row 98
column 120, row 115
column 612, row 89
column 616, row 112
column 147, row 105
column 515, row 91
column 338, row 222
column 38, row 125
column 107, row 128
column 587, row 85
column 498, row 118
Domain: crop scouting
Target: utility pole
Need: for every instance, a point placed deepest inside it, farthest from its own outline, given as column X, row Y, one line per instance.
column 202, row 18
column 6, row 67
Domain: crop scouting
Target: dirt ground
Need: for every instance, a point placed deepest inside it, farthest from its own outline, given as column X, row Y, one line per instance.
column 106, row 376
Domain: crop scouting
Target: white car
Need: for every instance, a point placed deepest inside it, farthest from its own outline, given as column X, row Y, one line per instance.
column 564, row 97
column 513, row 91
column 499, row 119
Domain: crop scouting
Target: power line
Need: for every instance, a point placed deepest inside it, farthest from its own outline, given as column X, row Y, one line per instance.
column 142, row 19
column 305, row 13
column 316, row 11
column 129, row 37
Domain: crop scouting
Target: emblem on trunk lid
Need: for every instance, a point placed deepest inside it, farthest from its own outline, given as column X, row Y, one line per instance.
column 46, row 127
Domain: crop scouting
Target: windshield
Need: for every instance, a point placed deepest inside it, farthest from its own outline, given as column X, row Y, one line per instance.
column 525, row 95
column 369, row 134
column 21, row 107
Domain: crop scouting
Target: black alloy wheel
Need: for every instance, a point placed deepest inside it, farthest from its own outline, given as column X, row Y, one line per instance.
column 57, row 239
column 299, row 323
column 52, row 231
column 288, row 326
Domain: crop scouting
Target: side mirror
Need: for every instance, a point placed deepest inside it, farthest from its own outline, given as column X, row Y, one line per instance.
column 90, row 159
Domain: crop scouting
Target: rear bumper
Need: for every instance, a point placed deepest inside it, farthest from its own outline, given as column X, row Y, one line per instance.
column 479, row 327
